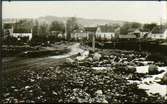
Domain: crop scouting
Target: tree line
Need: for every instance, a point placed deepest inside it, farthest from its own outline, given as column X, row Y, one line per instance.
column 43, row 32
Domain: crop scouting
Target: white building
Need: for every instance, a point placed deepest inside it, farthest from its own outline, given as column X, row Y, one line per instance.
column 103, row 33
column 87, row 32
column 79, row 34
column 161, row 35
column 17, row 35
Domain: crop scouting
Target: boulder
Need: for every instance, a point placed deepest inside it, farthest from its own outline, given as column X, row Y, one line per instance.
column 83, row 55
column 90, row 59
column 131, row 69
column 69, row 60
column 153, row 69
column 80, row 58
column 96, row 56
column 80, row 96
column 98, row 92
column 164, row 79
column 99, row 97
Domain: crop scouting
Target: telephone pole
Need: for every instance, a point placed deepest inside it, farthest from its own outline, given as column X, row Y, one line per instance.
column 93, row 42
column 65, row 33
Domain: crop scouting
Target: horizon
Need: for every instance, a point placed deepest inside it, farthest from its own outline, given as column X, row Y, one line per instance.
column 103, row 10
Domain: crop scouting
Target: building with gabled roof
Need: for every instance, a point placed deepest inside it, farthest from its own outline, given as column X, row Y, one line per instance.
column 9, row 27
column 105, row 33
column 162, row 34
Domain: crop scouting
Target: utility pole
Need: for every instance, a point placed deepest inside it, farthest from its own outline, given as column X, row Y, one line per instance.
column 65, row 34
column 93, row 41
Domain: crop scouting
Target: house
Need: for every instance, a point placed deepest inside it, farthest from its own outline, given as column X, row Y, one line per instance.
column 90, row 31
column 24, row 33
column 9, row 28
column 162, row 34
column 144, row 34
column 17, row 35
column 100, row 32
column 84, row 33
column 132, row 34
column 104, row 33
column 79, row 34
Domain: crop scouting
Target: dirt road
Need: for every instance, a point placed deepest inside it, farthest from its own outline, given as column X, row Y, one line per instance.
column 22, row 64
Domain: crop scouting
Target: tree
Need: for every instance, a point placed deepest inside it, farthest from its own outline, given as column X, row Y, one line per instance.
column 40, row 33
column 35, row 29
column 71, row 25
column 109, row 28
column 57, row 26
column 127, row 26
column 149, row 27
column 43, row 32
column 135, row 25
column 43, row 29
column 124, row 29
column 23, row 26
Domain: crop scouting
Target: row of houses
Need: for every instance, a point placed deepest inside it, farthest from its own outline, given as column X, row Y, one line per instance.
column 103, row 34
column 88, row 32
column 100, row 32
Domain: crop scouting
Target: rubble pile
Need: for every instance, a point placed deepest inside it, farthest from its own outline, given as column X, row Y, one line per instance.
column 78, row 81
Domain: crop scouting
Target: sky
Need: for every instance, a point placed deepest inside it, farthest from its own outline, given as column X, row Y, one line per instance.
column 138, row 11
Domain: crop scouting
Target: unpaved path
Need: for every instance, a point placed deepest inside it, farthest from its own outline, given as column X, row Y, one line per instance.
column 22, row 64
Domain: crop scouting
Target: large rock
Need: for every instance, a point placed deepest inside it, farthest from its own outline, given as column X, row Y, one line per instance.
column 153, row 69
column 131, row 69
column 98, row 92
column 80, row 96
column 90, row 59
column 164, row 79
column 83, row 55
column 96, row 56
column 99, row 97
column 69, row 60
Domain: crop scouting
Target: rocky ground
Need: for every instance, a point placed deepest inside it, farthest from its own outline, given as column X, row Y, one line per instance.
column 101, row 77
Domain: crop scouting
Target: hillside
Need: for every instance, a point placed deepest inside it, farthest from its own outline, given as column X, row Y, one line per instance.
column 82, row 21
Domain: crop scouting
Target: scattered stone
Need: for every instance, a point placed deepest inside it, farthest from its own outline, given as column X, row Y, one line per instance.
column 27, row 87
column 99, row 97
column 6, row 94
column 90, row 59
column 53, row 92
column 96, row 56
column 69, row 60
column 164, row 79
column 51, row 67
column 131, row 69
column 98, row 92
column 13, row 87
column 32, row 80
column 16, row 90
column 153, row 69
column 31, row 91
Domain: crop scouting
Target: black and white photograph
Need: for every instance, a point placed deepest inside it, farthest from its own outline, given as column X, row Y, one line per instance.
column 111, row 52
